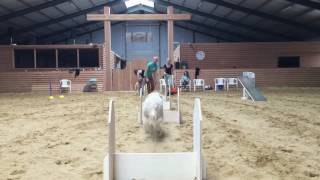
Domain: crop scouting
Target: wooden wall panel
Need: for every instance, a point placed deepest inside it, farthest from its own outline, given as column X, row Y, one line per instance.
column 5, row 59
column 290, row 77
column 249, row 55
column 39, row 81
column 25, row 80
column 310, row 60
column 125, row 79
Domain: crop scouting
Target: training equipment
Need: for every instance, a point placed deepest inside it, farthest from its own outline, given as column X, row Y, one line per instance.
column 50, row 91
column 60, row 88
column 167, row 101
column 249, row 90
column 169, row 115
column 91, row 85
column 163, row 85
column 155, row 166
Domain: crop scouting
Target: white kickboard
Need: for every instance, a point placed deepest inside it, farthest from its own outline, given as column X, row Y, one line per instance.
column 171, row 116
column 168, row 117
column 153, row 166
column 166, row 105
column 156, row 166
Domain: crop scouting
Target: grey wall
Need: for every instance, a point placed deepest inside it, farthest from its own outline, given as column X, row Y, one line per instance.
column 159, row 44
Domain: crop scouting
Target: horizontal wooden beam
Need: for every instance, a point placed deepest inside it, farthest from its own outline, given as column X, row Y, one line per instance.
column 137, row 17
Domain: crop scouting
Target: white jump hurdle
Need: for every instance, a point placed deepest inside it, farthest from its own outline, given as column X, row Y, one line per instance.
column 167, row 102
column 155, row 166
column 169, row 115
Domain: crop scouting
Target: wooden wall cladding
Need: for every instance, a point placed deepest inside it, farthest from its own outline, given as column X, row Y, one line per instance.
column 5, row 59
column 289, row 77
column 39, row 81
column 26, row 80
column 249, row 55
column 125, row 79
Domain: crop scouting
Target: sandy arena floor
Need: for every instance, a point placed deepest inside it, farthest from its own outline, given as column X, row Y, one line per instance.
column 67, row 138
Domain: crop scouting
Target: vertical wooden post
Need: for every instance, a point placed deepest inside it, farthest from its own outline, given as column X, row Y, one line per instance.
column 35, row 58
column 57, row 64
column 78, row 58
column 170, row 34
column 107, row 41
column 13, row 59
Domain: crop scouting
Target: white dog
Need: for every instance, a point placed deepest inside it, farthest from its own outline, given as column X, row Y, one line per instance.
column 152, row 110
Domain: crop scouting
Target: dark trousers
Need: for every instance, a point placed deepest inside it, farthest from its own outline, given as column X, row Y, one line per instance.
column 150, row 85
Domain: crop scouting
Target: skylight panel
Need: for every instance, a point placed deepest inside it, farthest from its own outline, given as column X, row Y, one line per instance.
column 131, row 3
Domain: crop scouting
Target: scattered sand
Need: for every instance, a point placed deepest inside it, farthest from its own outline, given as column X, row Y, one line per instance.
column 67, row 138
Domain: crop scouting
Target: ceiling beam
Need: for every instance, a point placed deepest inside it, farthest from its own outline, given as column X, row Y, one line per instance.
column 228, row 21
column 210, row 28
column 138, row 17
column 181, row 26
column 224, row 31
column 205, row 33
column 264, row 15
column 46, row 36
column 308, row 3
column 84, row 33
column 133, row 9
column 31, row 9
column 61, row 18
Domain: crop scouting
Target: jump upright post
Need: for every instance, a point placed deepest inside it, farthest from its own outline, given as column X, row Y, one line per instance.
column 50, row 91
column 155, row 166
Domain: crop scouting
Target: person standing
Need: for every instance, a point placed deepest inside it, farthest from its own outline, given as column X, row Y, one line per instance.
column 141, row 80
column 168, row 71
column 151, row 73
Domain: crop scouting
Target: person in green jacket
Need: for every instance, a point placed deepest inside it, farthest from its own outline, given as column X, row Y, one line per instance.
column 152, row 68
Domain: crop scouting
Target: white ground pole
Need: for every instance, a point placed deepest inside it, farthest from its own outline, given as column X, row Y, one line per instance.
column 155, row 166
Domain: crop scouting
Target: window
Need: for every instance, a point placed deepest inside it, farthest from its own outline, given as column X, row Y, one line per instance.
column 24, row 58
column 131, row 3
column 289, row 62
column 89, row 57
column 139, row 37
column 46, row 58
column 67, row 58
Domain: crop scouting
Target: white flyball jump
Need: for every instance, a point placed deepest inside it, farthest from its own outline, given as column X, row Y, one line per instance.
column 166, row 102
column 169, row 115
column 155, row 166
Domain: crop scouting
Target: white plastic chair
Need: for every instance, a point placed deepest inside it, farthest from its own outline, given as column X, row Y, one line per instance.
column 65, row 84
column 188, row 86
column 163, row 84
column 219, row 82
column 198, row 83
column 232, row 82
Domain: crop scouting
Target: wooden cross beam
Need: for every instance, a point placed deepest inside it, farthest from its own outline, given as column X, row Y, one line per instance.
column 107, row 17
column 137, row 17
